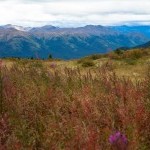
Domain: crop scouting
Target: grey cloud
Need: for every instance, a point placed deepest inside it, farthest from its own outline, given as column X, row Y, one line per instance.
column 74, row 12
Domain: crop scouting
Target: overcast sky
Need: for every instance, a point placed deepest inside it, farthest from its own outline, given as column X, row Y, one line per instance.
column 72, row 13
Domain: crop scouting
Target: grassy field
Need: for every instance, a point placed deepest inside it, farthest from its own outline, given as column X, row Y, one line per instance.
column 100, row 102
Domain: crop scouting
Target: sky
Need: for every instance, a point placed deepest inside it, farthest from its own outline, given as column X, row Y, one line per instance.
column 73, row 13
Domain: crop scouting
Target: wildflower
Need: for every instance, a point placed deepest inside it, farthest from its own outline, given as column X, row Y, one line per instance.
column 53, row 65
column 118, row 141
column 1, row 64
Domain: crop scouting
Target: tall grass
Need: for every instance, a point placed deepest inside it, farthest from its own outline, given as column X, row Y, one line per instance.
column 50, row 108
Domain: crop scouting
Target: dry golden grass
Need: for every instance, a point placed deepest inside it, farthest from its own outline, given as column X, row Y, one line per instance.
column 62, row 105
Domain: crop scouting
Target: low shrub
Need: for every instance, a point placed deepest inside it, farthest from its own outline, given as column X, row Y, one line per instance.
column 88, row 63
column 95, row 57
column 130, row 61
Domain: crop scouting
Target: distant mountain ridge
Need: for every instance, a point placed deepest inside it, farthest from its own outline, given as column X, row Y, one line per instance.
column 145, row 45
column 68, row 43
column 144, row 29
column 19, row 28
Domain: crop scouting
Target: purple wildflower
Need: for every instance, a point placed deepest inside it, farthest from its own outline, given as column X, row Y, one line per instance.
column 1, row 64
column 118, row 141
column 53, row 65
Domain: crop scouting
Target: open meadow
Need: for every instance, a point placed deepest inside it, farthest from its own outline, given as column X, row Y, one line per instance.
column 76, row 105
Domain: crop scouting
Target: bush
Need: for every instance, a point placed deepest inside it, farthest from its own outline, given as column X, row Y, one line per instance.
column 95, row 57
column 128, row 54
column 130, row 61
column 88, row 63
column 118, row 51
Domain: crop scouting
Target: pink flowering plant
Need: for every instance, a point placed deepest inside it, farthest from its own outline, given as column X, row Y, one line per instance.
column 118, row 141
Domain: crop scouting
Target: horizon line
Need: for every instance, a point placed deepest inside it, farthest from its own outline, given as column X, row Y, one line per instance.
column 96, row 25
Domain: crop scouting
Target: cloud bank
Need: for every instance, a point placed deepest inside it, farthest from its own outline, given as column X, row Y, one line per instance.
column 72, row 13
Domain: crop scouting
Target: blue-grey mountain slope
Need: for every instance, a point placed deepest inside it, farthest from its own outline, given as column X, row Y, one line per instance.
column 67, row 43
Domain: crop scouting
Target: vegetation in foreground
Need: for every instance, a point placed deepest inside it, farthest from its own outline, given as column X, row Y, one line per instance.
column 51, row 107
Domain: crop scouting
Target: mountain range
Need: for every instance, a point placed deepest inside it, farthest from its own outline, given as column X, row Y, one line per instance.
column 68, row 43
